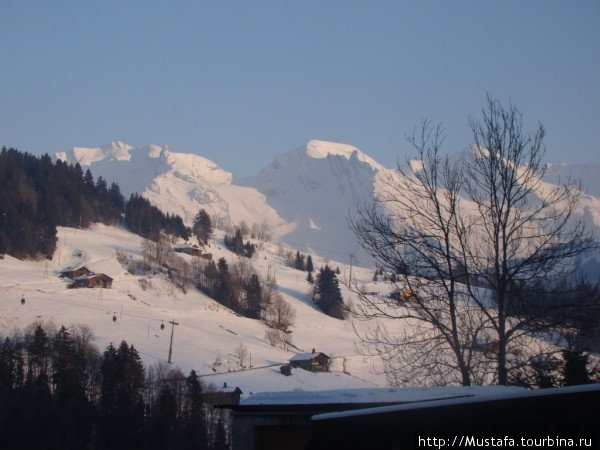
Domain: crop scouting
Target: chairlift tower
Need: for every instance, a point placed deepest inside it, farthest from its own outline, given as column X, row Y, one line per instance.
column 173, row 323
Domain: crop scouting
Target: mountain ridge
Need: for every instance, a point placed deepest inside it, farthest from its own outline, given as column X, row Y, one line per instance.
column 304, row 195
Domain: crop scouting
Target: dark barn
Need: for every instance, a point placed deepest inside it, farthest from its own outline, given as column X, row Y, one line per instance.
column 192, row 250
column 314, row 362
column 92, row 280
column 74, row 273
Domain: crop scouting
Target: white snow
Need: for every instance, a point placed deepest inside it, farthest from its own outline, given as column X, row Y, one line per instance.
column 376, row 395
column 480, row 392
column 207, row 332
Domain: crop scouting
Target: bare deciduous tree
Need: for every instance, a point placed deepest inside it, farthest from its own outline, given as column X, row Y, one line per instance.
column 475, row 240
column 179, row 271
column 280, row 314
column 241, row 353
column 157, row 252
column 261, row 232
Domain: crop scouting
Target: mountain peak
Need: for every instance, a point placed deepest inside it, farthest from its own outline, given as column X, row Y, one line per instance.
column 319, row 149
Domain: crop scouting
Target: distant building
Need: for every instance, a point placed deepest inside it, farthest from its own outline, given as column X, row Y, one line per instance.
column 192, row 250
column 92, row 280
column 74, row 273
column 224, row 397
column 314, row 362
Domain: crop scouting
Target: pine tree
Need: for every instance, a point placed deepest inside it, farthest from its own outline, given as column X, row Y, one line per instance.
column 309, row 264
column 575, row 367
column 299, row 262
column 253, row 291
column 224, row 290
column 202, row 226
column 327, row 294
column 195, row 425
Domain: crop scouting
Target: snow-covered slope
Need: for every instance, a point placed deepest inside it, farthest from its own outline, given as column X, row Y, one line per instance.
column 207, row 332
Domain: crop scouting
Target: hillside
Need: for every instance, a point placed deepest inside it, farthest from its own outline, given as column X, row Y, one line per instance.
column 207, row 332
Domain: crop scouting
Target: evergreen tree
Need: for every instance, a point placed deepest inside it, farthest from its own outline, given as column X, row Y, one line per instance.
column 299, row 262
column 253, row 292
column 38, row 352
column 575, row 367
column 327, row 294
column 164, row 421
column 202, row 226
column 309, row 264
column 310, row 278
column 195, row 425
column 224, row 290
column 73, row 421
column 121, row 401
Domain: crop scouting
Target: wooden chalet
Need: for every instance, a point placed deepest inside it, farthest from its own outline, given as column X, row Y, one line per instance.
column 225, row 397
column 192, row 250
column 314, row 362
column 74, row 273
column 92, row 280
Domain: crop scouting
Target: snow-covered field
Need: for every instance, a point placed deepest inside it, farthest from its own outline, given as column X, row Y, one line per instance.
column 207, row 332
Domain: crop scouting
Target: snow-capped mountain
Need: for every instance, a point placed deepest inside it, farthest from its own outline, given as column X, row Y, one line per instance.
column 305, row 196
column 316, row 187
column 178, row 183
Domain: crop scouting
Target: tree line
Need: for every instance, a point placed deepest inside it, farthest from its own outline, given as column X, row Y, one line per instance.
column 37, row 195
column 240, row 289
column 58, row 392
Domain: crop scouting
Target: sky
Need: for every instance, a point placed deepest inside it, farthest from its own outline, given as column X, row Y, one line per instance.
column 241, row 82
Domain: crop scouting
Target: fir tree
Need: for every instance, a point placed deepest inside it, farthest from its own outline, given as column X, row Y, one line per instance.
column 310, row 278
column 202, row 226
column 575, row 367
column 327, row 294
column 299, row 262
column 195, row 425
column 253, row 292
column 309, row 264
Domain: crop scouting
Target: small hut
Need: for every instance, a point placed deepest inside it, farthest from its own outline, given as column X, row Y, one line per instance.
column 314, row 362
column 225, row 396
column 192, row 250
column 92, row 280
column 74, row 273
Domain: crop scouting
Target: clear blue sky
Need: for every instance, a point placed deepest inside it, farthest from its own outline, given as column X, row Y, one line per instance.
column 241, row 81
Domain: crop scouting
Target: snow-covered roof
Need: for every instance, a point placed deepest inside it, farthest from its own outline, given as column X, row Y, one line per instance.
column 376, row 395
column 481, row 393
column 90, row 276
column 306, row 356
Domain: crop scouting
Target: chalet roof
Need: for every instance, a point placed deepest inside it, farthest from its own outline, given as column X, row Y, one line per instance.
column 73, row 269
column 307, row 356
column 194, row 246
column 91, row 276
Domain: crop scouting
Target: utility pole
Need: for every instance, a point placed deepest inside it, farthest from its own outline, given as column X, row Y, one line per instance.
column 173, row 323
column 350, row 280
